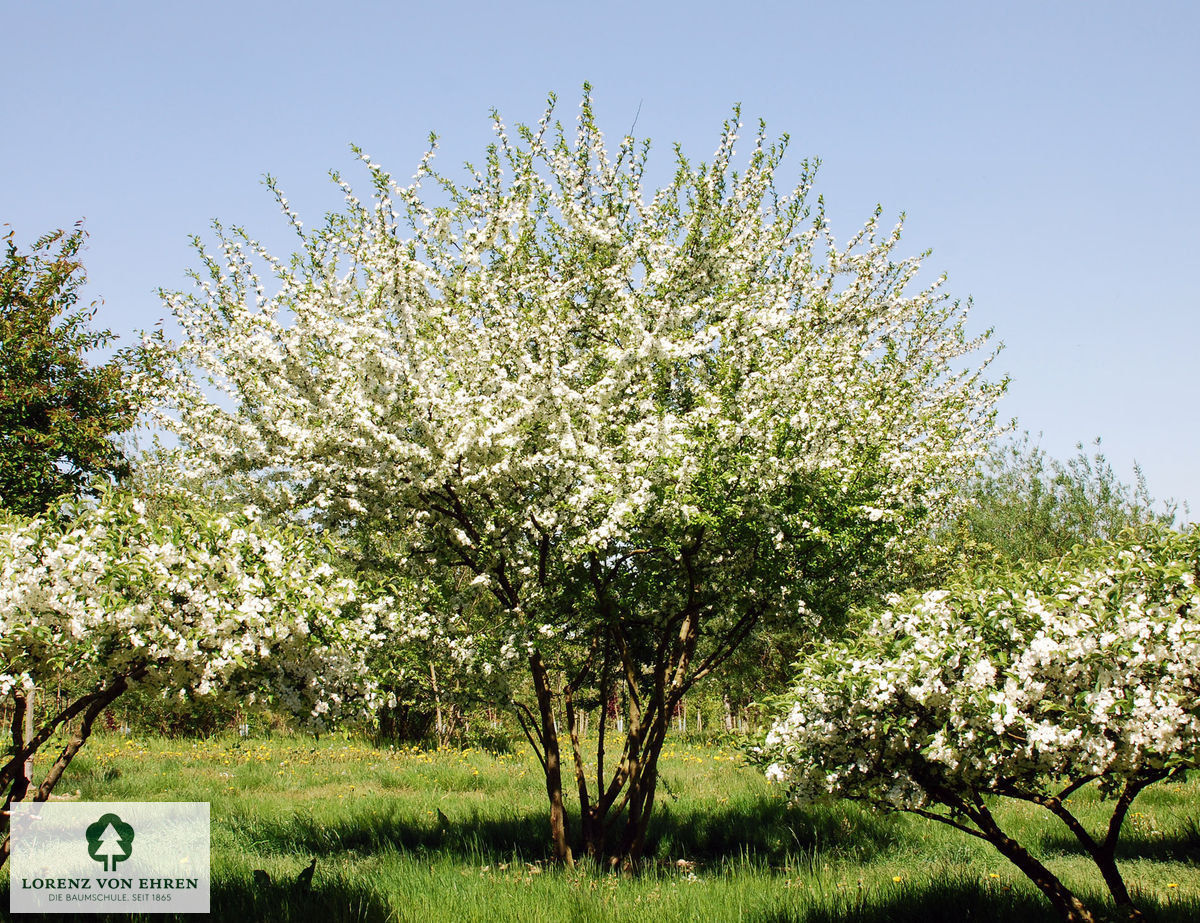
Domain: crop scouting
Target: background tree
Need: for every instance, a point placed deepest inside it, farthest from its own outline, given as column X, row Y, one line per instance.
column 1031, row 683
column 603, row 430
column 1026, row 506
column 58, row 416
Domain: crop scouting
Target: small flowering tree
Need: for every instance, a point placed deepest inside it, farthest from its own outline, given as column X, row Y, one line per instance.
column 1028, row 685
column 606, row 430
column 184, row 601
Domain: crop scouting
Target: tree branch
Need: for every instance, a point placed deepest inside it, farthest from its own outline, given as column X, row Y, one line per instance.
column 537, row 750
column 942, row 819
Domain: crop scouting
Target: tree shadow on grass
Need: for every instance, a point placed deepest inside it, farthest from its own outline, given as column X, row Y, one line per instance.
column 771, row 831
column 1180, row 844
column 331, row 900
column 958, row 899
column 338, row 899
column 761, row 831
column 375, row 829
column 962, row 897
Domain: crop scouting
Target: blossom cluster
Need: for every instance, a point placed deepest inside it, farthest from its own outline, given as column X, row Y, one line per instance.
column 1084, row 669
column 183, row 600
column 550, row 363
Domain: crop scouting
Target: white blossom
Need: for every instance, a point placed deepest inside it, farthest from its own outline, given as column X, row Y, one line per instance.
column 566, row 364
column 1086, row 666
column 182, row 600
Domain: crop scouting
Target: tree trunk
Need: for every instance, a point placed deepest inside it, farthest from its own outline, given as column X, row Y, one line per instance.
column 650, row 698
column 29, row 734
column 1061, row 898
column 641, row 804
column 1106, row 862
column 587, row 816
column 553, row 762
column 97, row 702
column 439, row 724
column 1104, row 853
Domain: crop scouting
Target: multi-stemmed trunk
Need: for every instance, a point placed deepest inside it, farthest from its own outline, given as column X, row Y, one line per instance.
column 1061, row 898
column 615, row 813
column 1103, row 851
column 651, row 659
column 614, row 817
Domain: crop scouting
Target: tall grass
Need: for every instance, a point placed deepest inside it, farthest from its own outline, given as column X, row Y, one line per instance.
column 453, row 835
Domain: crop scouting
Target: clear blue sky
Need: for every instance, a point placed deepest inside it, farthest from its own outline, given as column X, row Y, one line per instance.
column 1046, row 152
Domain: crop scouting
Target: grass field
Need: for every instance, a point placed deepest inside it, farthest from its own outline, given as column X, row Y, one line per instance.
column 412, row 835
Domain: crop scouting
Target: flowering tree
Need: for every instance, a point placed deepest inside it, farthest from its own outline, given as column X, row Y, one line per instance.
column 637, row 422
column 184, row 601
column 1030, row 685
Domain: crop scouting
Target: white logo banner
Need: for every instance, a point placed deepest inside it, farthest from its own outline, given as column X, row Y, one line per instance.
column 106, row 857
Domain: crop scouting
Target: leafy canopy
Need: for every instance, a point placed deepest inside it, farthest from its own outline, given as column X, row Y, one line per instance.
column 550, row 365
column 58, row 415
column 97, row 598
column 1088, row 665
column 181, row 600
column 1025, row 506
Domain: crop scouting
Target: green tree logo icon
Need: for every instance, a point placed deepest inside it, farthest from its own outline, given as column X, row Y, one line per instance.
column 110, row 840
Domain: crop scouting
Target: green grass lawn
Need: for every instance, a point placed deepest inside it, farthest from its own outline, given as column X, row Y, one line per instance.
column 412, row 835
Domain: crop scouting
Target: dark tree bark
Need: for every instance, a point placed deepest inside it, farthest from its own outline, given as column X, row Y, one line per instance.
column 12, row 774
column 1102, row 852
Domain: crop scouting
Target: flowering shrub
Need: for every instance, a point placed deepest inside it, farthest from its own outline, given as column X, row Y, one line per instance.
column 105, row 596
column 604, row 429
column 1029, row 684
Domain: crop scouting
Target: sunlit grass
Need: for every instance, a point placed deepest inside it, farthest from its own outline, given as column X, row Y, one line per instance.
column 460, row 834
